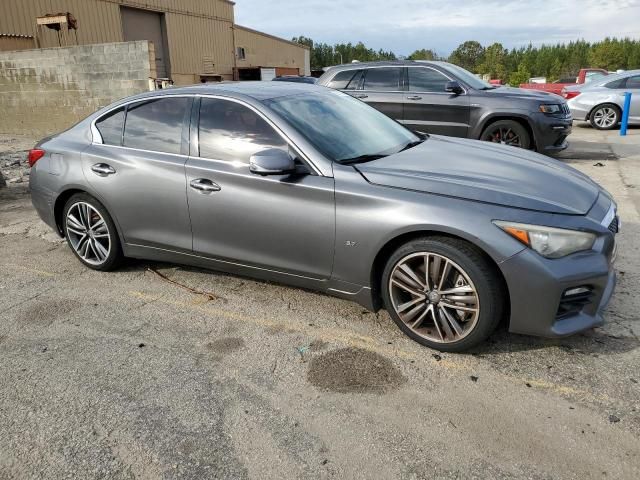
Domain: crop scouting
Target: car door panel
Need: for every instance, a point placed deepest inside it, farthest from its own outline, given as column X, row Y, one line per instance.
column 278, row 222
column 382, row 89
column 428, row 108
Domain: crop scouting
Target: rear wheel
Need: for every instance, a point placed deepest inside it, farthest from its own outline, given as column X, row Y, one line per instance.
column 91, row 233
column 605, row 117
column 442, row 293
column 507, row 132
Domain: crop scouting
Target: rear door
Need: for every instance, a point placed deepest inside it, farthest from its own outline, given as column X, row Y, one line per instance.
column 139, row 172
column 429, row 108
column 382, row 88
column 284, row 223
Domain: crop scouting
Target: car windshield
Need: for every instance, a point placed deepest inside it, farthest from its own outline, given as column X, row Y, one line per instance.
column 467, row 77
column 342, row 128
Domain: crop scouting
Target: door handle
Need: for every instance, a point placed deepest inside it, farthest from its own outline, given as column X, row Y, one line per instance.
column 205, row 186
column 103, row 169
column 361, row 95
column 414, row 97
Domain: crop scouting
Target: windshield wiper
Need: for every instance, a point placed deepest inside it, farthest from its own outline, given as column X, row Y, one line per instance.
column 361, row 159
column 488, row 88
column 412, row 144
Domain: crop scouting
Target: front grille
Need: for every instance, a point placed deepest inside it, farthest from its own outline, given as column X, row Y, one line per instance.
column 570, row 304
column 614, row 226
column 565, row 109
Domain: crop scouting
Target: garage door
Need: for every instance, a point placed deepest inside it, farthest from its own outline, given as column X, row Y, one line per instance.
column 145, row 25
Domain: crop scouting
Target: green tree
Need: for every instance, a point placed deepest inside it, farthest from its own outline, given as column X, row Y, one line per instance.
column 494, row 62
column 423, row 54
column 522, row 75
column 469, row 55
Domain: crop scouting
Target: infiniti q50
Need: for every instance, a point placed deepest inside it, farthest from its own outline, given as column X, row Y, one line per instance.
column 307, row 186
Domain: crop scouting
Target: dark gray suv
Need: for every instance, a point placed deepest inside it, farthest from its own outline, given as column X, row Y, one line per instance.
column 442, row 98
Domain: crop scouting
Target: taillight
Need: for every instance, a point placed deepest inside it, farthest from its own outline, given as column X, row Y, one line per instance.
column 35, row 155
column 570, row 95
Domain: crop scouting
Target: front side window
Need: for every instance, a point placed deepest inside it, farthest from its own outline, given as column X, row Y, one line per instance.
column 232, row 132
column 383, row 79
column 156, row 125
column 341, row 127
column 426, row 80
column 110, row 127
column 633, row 82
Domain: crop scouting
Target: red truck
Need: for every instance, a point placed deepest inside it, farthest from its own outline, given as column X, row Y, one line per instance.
column 585, row 75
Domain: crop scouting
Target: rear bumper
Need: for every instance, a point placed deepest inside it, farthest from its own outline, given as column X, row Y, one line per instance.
column 551, row 132
column 536, row 295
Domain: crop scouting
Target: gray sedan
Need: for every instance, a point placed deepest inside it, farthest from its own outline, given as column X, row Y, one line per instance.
column 601, row 102
column 307, row 186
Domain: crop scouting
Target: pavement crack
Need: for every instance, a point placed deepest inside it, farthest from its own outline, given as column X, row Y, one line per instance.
column 210, row 296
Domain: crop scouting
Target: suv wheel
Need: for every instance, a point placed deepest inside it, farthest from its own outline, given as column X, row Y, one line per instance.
column 442, row 293
column 507, row 132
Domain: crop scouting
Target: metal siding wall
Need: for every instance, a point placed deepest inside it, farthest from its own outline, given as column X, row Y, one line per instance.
column 265, row 51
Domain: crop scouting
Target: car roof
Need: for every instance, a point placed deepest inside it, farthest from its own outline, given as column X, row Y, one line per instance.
column 257, row 90
column 384, row 63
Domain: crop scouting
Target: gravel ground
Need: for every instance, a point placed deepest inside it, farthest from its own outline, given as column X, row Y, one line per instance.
column 129, row 375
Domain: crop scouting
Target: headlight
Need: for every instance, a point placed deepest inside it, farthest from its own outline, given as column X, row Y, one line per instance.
column 548, row 241
column 550, row 108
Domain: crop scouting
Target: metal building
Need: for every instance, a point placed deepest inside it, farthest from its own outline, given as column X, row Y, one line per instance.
column 194, row 40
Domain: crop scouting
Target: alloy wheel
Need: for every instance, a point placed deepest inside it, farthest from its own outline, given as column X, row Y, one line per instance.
column 434, row 297
column 505, row 136
column 88, row 233
column 605, row 117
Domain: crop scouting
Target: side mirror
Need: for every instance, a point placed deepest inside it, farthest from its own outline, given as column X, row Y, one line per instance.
column 272, row 161
column 453, row 87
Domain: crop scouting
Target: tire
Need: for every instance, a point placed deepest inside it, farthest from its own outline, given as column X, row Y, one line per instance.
column 468, row 270
column 99, row 249
column 507, row 132
column 605, row 117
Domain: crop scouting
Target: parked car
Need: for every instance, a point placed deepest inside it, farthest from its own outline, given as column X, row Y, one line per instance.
column 601, row 102
column 295, row 78
column 307, row 186
column 441, row 98
column 585, row 75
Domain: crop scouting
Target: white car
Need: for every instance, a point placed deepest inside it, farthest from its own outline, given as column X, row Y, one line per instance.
column 600, row 102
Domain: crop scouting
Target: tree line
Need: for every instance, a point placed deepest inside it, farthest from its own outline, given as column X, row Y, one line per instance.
column 513, row 66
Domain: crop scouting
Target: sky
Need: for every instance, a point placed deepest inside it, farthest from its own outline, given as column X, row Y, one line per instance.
column 408, row 25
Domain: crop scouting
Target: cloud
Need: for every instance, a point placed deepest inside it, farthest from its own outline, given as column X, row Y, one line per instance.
column 404, row 26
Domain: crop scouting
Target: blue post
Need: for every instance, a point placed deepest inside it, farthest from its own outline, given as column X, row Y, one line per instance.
column 625, row 114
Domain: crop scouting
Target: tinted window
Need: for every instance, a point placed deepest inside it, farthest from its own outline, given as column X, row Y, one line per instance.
column 355, row 81
column 232, row 132
column 341, row 80
column 382, row 79
column 156, row 125
column 616, row 83
column 110, row 127
column 633, row 82
column 426, row 80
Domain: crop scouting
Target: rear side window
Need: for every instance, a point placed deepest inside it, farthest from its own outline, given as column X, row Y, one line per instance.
column 341, row 80
column 426, row 80
column 355, row 81
column 156, row 125
column 110, row 127
column 616, row 83
column 633, row 82
column 232, row 132
column 383, row 79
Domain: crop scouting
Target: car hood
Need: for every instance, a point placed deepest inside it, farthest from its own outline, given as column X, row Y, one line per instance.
column 523, row 93
column 485, row 172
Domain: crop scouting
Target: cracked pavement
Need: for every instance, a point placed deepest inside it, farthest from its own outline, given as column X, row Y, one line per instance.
column 193, row 374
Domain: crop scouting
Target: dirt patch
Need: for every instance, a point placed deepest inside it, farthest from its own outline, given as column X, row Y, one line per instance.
column 45, row 312
column 354, row 370
column 225, row 345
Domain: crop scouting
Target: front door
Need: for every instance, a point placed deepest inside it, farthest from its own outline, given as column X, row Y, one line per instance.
column 429, row 108
column 633, row 86
column 284, row 223
column 139, row 173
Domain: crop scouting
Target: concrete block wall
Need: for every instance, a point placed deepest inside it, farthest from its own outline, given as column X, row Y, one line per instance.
column 44, row 91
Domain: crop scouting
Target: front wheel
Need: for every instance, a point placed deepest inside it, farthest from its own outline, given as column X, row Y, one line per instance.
column 507, row 132
column 443, row 293
column 605, row 117
column 91, row 233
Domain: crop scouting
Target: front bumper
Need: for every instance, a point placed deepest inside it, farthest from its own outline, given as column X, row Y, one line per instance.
column 536, row 295
column 551, row 132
